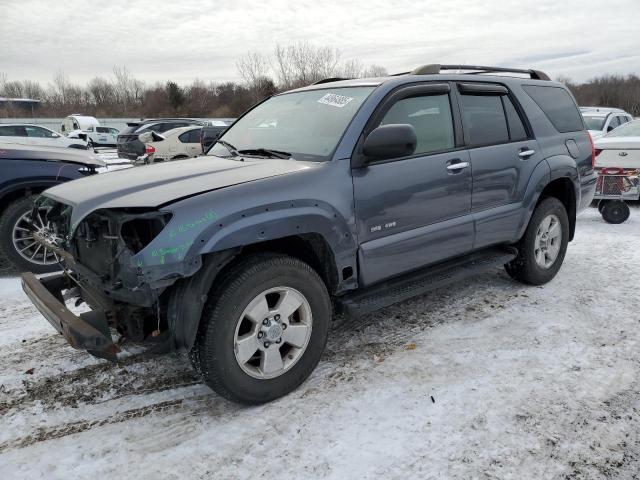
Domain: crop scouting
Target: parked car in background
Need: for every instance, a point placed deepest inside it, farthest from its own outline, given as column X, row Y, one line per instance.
column 101, row 137
column 620, row 148
column 174, row 144
column 602, row 120
column 25, row 171
column 352, row 194
column 28, row 134
column 211, row 131
column 130, row 147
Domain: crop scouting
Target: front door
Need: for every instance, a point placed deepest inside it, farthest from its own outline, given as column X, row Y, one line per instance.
column 414, row 211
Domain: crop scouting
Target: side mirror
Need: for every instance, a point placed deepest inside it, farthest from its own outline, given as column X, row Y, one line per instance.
column 148, row 137
column 390, row 141
column 55, row 135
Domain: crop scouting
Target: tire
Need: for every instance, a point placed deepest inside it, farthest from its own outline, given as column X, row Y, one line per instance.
column 601, row 205
column 8, row 220
column 615, row 212
column 526, row 267
column 226, row 321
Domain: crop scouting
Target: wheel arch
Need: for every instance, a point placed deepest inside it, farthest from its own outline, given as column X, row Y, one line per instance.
column 187, row 297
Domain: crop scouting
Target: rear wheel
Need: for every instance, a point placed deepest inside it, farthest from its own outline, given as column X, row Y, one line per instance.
column 16, row 239
column 264, row 329
column 615, row 211
column 542, row 249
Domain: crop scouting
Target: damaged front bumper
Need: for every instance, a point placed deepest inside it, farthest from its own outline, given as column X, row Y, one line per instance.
column 89, row 331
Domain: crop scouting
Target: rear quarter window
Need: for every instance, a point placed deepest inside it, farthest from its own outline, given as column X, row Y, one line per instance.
column 558, row 106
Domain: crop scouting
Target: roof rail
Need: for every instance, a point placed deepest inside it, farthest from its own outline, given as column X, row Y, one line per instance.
column 435, row 68
column 329, row 80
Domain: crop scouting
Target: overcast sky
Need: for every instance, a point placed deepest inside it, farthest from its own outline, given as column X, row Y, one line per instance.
column 182, row 41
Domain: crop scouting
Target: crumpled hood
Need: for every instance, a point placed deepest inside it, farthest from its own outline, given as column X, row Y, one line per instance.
column 159, row 184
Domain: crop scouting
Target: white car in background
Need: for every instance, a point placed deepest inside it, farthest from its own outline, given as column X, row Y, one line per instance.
column 101, row 136
column 28, row 134
column 174, row 144
column 620, row 148
column 602, row 120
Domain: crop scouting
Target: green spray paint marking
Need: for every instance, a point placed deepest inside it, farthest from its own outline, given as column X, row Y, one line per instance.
column 177, row 251
column 185, row 227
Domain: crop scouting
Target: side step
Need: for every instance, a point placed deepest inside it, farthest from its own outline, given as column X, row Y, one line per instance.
column 398, row 289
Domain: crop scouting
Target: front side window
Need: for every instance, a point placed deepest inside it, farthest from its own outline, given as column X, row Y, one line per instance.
column 38, row 132
column 484, row 119
column 307, row 124
column 431, row 117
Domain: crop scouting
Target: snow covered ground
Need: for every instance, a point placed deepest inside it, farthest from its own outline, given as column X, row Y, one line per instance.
column 484, row 380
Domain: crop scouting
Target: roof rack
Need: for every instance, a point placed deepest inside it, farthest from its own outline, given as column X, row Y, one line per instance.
column 329, row 80
column 435, row 68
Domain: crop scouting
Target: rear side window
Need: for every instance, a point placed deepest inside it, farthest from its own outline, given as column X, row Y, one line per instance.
column 13, row 131
column 430, row 115
column 558, row 106
column 517, row 132
column 191, row 136
column 484, row 119
column 102, row 129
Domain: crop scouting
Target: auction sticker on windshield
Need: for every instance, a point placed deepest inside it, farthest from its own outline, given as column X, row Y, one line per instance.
column 335, row 100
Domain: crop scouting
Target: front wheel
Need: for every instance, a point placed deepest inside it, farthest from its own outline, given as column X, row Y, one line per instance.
column 542, row 249
column 264, row 329
column 16, row 239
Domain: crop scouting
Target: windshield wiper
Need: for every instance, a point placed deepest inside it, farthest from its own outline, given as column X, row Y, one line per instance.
column 266, row 152
column 232, row 150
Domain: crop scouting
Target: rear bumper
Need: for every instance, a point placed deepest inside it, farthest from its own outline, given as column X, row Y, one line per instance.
column 89, row 331
column 587, row 189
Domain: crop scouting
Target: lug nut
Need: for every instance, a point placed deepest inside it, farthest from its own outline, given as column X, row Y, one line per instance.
column 266, row 344
column 284, row 326
column 265, row 321
column 277, row 317
column 278, row 340
column 260, row 334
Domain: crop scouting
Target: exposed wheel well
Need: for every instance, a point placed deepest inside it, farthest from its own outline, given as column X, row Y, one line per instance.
column 563, row 190
column 14, row 195
column 311, row 248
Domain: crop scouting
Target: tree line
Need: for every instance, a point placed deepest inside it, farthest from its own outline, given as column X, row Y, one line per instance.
column 288, row 66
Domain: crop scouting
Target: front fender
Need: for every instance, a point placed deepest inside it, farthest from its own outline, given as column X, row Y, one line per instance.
column 276, row 221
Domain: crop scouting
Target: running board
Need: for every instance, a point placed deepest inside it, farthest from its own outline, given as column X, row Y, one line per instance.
column 399, row 289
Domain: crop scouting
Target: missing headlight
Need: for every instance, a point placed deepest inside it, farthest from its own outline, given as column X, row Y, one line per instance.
column 137, row 233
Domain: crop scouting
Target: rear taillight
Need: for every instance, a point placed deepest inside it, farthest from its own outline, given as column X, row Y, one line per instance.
column 594, row 154
column 148, row 149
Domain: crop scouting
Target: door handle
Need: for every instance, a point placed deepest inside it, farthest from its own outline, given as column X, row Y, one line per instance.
column 526, row 153
column 454, row 167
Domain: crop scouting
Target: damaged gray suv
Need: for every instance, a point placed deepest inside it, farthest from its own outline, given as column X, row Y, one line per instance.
column 344, row 196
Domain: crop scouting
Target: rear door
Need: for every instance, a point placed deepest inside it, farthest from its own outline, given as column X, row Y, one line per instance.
column 503, row 155
column 414, row 211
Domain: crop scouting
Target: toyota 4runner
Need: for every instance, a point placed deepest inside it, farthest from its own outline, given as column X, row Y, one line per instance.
column 346, row 195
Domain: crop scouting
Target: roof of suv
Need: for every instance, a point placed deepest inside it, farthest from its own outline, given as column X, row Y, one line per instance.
column 434, row 72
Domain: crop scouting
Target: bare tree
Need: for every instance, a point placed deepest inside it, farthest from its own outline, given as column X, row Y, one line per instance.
column 302, row 64
column 252, row 67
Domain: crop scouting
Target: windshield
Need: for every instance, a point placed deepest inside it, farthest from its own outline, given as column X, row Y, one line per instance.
column 308, row 125
column 631, row 129
column 594, row 123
